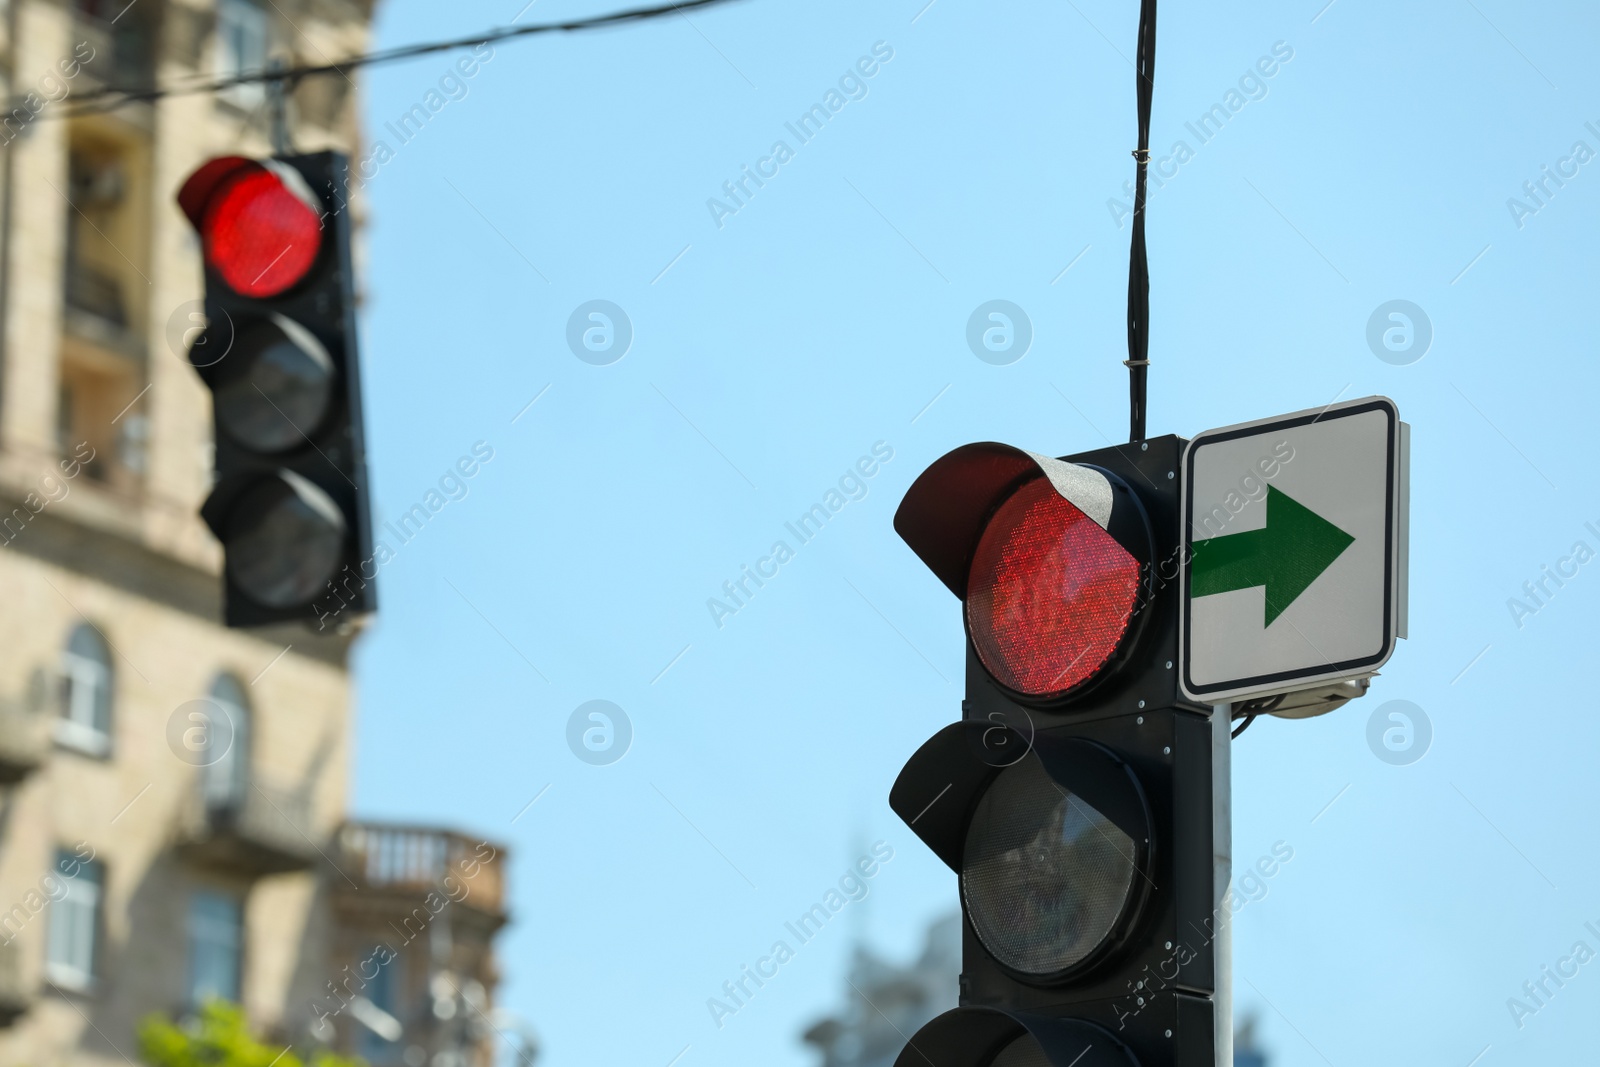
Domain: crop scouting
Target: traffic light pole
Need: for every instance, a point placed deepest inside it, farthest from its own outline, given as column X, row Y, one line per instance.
column 1222, row 873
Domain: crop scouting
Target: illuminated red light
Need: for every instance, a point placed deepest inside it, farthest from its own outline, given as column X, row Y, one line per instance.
column 1049, row 594
column 259, row 234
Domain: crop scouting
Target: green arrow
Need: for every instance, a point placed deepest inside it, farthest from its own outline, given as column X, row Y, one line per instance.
column 1286, row 555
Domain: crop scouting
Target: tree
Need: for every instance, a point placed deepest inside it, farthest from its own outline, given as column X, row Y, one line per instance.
column 219, row 1037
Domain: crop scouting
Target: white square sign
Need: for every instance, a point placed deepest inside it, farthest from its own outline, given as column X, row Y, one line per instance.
column 1294, row 550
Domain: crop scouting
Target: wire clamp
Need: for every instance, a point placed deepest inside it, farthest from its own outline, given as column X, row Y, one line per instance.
column 1142, row 155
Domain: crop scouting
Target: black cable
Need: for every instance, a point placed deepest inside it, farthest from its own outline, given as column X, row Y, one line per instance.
column 1258, row 707
column 115, row 97
column 1249, row 709
column 1138, row 361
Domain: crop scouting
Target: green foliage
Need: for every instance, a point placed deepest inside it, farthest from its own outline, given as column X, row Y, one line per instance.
column 218, row 1037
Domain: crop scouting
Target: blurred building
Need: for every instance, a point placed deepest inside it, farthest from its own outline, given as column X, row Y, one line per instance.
column 172, row 793
column 1245, row 1052
column 885, row 1001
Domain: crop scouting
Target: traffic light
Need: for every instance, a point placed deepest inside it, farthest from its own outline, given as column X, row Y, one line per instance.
column 1080, row 799
column 289, row 497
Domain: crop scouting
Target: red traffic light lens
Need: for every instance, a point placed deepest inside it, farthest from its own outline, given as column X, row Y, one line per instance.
column 260, row 235
column 1050, row 593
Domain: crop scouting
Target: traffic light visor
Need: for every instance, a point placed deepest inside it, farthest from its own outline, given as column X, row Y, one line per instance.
column 976, row 1036
column 1050, row 557
column 1053, row 849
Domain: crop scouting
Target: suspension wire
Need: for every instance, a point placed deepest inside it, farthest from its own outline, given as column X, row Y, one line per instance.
column 1138, row 361
column 110, row 97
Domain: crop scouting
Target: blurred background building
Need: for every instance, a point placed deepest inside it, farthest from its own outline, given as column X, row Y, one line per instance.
column 173, row 821
column 885, row 1001
column 1245, row 1052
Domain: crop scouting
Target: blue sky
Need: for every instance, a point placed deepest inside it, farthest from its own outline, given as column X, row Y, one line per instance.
column 770, row 353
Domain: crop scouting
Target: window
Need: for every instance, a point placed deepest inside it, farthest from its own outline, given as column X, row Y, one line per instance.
column 225, row 778
column 97, row 185
column 74, row 934
column 101, row 376
column 242, row 47
column 216, row 939
column 122, row 35
column 86, row 689
column 376, row 1048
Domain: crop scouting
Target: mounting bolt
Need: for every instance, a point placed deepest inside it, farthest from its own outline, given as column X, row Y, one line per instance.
column 1140, row 720
column 1144, row 446
column 1169, row 664
column 1169, row 1033
column 1171, row 475
column 1167, row 750
column 1169, row 944
column 1141, row 703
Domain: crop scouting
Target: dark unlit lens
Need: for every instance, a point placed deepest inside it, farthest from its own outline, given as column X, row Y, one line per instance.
column 1046, row 876
column 274, row 389
column 285, row 541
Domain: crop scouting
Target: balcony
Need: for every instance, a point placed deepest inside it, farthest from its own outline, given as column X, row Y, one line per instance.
column 24, row 741
column 396, row 867
column 15, row 993
column 445, row 891
column 260, row 831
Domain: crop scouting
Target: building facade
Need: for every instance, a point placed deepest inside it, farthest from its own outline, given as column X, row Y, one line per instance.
column 173, row 819
column 886, row 1001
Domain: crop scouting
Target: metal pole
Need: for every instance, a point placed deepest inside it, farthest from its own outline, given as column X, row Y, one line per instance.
column 1222, row 874
column 278, row 103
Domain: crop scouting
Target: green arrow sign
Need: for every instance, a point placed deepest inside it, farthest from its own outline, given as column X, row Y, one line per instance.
column 1286, row 555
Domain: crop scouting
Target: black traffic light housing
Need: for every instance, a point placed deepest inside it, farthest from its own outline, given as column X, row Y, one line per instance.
column 1125, row 744
column 323, row 462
